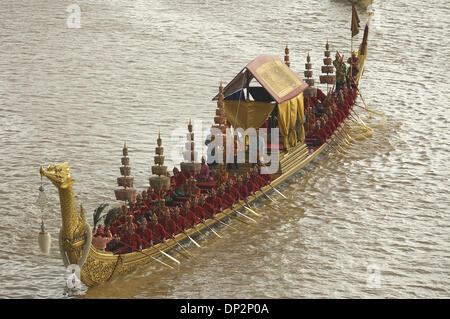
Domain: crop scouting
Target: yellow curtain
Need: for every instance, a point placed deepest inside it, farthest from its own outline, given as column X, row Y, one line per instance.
column 289, row 112
column 300, row 118
column 247, row 114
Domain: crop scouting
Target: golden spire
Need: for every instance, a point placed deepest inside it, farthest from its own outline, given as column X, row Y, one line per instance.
column 286, row 56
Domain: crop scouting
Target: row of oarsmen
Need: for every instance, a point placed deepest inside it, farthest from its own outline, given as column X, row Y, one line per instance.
column 149, row 221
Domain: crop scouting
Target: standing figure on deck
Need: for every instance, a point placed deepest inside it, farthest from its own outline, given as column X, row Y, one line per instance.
column 353, row 61
column 341, row 71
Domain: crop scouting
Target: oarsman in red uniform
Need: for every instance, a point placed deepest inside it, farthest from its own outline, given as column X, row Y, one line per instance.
column 185, row 208
column 179, row 180
column 257, row 178
column 227, row 196
column 243, row 189
column 199, row 208
column 226, row 200
column 251, row 185
column 145, row 233
column 191, row 217
column 161, row 209
column 322, row 133
column 169, row 225
column 131, row 242
column 262, row 168
column 205, row 209
column 180, row 221
column 122, row 216
column 342, row 103
column 331, row 122
column 215, row 202
column 236, row 192
column 159, row 234
column 326, row 126
column 152, row 196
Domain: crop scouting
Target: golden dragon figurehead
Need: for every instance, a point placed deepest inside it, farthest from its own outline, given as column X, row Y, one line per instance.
column 73, row 223
column 58, row 174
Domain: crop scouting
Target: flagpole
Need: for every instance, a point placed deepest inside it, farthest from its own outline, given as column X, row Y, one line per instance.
column 351, row 41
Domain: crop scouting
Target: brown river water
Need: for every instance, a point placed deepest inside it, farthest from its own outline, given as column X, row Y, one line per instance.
column 372, row 224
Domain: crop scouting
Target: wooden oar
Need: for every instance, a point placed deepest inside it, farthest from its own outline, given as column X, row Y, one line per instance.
column 238, row 212
column 195, row 243
column 168, row 256
column 360, row 124
column 341, row 133
column 167, row 265
column 360, row 119
column 224, row 223
column 369, row 110
column 238, row 219
column 249, row 209
column 266, row 196
column 175, row 249
column 211, row 229
column 178, row 243
column 335, row 148
column 277, row 191
column 184, row 232
column 194, row 228
column 364, row 102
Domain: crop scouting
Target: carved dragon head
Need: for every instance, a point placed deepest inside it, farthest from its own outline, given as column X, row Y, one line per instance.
column 58, row 174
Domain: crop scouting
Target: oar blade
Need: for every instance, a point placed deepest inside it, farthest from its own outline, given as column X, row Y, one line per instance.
column 168, row 256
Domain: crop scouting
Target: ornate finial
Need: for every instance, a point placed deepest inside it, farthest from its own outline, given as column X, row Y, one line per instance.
column 286, row 56
column 310, row 91
column 161, row 181
column 126, row 181
column 159, row 140
column 327, row 68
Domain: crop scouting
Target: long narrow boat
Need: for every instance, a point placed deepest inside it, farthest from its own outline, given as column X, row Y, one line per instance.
column 98, row 266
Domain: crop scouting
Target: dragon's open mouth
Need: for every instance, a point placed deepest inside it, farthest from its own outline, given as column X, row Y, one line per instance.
column 58, row 174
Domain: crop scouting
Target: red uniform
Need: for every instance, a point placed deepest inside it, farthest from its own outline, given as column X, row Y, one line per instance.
column 146, row 236
column 236, row 193
column 170, row 227
column 321, row 96
column 253, row 187
column 132, row 241
column 209, row 210
column 191, row 218
column 159, row 234
column 180, row 180
column 267, row 178
column 200, row 211
column 260, row 181
column 243, row 190
column 227, row 200
column 182, row 223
